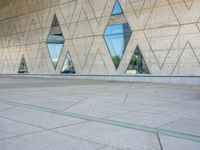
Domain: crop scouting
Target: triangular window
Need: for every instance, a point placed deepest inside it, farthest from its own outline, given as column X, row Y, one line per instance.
column 55, row 41
column 117, row 8
column 23, row 67
column 68, row 66
column 137, row 64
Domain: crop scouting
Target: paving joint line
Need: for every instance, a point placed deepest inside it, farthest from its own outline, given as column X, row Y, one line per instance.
column 169, row 133
column 77, row 103
column 125, row 98
column 66, row 126
column 25, row 123
column 77, row 137
column 104, row 146
column 159, row 141
column 11, row 107
column 22, row 135
column 41, row 129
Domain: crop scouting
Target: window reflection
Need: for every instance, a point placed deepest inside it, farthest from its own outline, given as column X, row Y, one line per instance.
column 117, row 38
column 23, row 67
column 55, row 41
column 137, row 64
column 68, row 66
column 117, row 34
column 117, row 8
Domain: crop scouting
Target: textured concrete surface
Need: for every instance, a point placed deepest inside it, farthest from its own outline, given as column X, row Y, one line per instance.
column 167, row 32
column 60, row 114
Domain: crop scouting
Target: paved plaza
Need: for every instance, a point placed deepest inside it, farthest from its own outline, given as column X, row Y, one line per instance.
column 64, row 114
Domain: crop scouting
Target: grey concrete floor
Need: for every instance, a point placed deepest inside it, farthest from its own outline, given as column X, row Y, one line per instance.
column 63, row 114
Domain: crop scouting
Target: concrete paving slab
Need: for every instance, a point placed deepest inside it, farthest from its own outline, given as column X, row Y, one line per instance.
column 187, row 126
column 145, row 119
column 170, row 143
column 16, row 129
column 95, row 110
column 47, row 141
column 37, row 118
column 109, row 148
column 6, row 121
column 53, row 102
column 113, row 136
column 5, row 106
column 175, row 108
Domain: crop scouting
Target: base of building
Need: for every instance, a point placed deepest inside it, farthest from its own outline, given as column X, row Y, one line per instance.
column 189, row 80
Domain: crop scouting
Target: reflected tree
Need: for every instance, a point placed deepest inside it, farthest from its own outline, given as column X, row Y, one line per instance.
column 23, row 67
column 117, row 34
column 138, row 63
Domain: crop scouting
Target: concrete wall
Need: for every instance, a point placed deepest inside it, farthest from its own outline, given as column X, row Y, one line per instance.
column 167, row 31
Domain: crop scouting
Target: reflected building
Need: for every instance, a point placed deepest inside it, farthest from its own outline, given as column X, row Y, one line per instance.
column 68, row 66
column 55, row 41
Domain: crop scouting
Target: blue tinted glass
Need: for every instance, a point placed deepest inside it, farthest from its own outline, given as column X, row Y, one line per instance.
column 123, row 28
column 114, row 29
column 55, row 50
column 117, row 34
column 117, row 8
column 55, row 41
column 115, row 44
column 117, row 37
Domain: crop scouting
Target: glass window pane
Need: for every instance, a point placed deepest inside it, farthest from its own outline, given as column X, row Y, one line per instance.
column 117, row 38
column 23, row 67
column 55, row 50
column 55, row 41
column 114, row 29
column 137, row 64
column 117, row 8
column 68, row 66
column 117, row 34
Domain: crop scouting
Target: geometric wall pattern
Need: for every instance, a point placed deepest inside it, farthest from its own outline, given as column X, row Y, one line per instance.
column 167, row 32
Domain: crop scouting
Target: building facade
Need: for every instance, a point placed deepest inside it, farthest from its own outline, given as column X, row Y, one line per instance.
column 109, row 37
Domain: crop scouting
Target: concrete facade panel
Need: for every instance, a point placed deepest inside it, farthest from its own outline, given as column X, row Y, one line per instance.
column 167, row 32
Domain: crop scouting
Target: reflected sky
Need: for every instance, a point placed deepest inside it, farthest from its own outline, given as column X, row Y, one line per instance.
column 55, row 50
column 55, row 41
column 117, row 8
column 117, row 37
column 117, row 34
column 114, row 39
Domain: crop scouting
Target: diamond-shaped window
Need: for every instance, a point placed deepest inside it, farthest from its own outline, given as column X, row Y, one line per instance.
column 55, row 41
column 117, row 34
